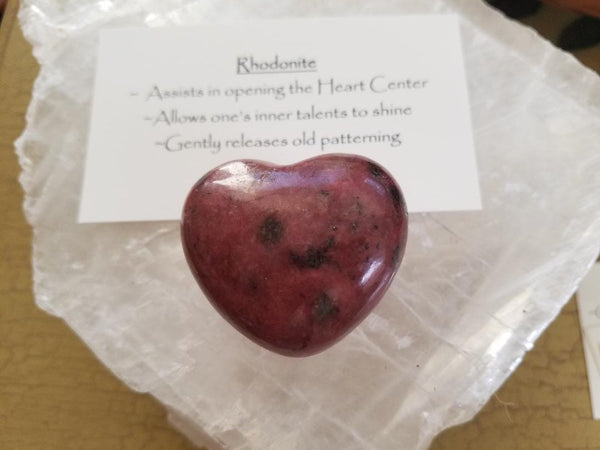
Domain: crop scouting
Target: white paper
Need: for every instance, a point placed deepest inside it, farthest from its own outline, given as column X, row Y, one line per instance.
column 171, row 104
column 588, row 302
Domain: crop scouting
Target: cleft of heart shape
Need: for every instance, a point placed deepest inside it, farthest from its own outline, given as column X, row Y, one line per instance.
column 294, row 257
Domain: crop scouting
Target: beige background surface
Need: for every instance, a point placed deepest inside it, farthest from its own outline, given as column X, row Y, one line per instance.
column 54, row 394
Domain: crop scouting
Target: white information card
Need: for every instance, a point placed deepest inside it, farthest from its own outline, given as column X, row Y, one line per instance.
column 170, row 104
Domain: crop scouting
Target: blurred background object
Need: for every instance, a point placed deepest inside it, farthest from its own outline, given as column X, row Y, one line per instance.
column 582, row 32
column 590, row 7
column 516, row 9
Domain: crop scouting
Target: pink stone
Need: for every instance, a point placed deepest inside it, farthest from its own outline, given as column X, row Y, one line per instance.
column 295, row 256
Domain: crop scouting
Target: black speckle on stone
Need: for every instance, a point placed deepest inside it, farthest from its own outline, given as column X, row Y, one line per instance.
column 330, row 242
column 359, row 206
column 375, row 170
column 191, row 210
column 324, row 192
column 324, row 307
column 395, row 195
column 271, row 230
column 375, row 227
column 313, row 258
column 252, row 286
column 354, row 226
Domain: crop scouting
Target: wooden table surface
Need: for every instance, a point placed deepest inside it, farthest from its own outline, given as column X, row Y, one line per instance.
column 54, row 394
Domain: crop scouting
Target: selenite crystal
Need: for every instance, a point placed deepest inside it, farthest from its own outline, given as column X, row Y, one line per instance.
column 474, row 291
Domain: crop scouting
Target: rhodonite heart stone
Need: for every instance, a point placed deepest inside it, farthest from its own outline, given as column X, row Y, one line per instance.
column 295, row 256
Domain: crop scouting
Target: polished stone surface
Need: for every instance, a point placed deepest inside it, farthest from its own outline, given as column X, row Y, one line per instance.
column 295, row 256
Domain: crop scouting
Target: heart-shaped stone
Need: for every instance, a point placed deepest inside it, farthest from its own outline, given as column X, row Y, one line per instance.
column 295, row 256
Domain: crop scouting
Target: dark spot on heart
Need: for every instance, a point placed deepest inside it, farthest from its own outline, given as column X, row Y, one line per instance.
column 324, row 307
column 252, row 286
column 354, row 226
column 191, row 211
column 271, row 230
column 375, row 227
column 313, row 257
column 358, row 205
column 324, row 192
column 330, row 242
column 375, row 170
column 395, row 195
